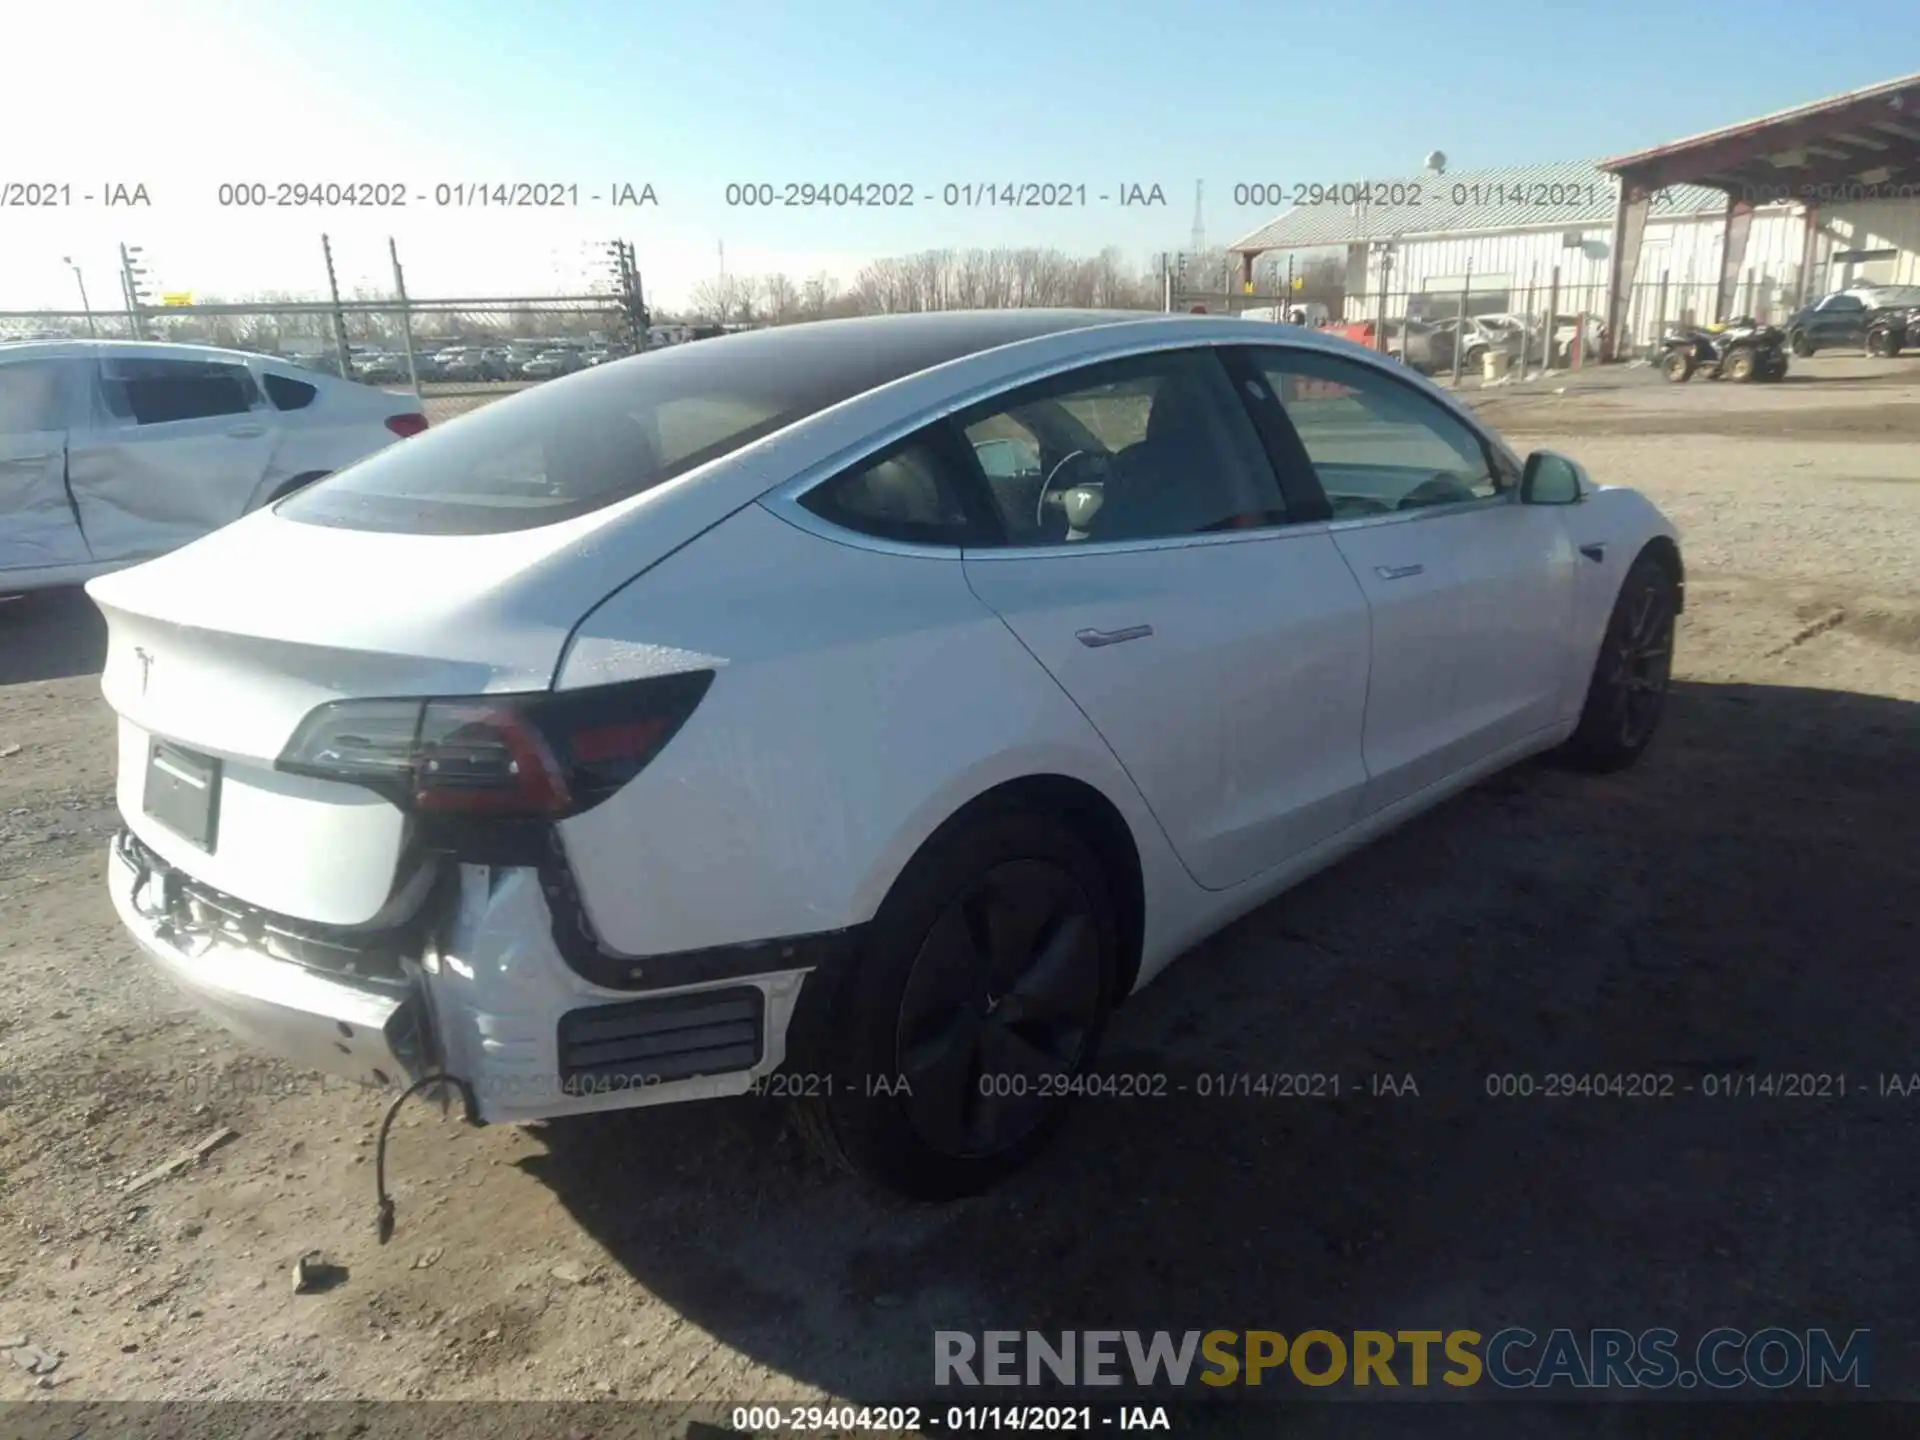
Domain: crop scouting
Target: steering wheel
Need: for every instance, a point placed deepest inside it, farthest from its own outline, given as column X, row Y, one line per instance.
column 1440, row 490
column 1040, row 502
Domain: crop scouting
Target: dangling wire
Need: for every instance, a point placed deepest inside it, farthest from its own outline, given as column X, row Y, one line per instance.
column 384, row 1218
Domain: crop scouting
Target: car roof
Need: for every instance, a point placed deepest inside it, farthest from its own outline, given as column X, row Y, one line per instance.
column 121, row 349
column 860, row 354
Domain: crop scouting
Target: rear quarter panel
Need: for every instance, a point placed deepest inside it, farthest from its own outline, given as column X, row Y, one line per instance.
column 862, row 698
column 346, row 422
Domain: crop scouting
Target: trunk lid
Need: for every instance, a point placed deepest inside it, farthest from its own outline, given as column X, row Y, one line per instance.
column 225, row 646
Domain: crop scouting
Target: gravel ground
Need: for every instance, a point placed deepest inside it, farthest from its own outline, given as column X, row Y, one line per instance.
column 1740, row 904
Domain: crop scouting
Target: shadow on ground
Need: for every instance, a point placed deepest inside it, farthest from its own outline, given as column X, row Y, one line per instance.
column 50, row 635
column 1740, row 905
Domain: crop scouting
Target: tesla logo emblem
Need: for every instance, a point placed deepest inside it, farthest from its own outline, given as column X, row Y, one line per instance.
column 146, row 667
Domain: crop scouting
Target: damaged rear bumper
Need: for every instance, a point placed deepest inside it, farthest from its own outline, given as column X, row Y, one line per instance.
column 363, row 1028
column 475, row 988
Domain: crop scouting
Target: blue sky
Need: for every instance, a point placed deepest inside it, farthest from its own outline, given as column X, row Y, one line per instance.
column 689, row 97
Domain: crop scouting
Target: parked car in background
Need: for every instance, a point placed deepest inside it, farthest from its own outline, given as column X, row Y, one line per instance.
column 477, row 364
column 1840, row 320
column 1586, row 332
column 1836, row 320
column 1893, row 330
column 380, row 367
column 1425, row 347
column 907, row 744
column 112, row 452
column 550, row 364
column 1475, row 337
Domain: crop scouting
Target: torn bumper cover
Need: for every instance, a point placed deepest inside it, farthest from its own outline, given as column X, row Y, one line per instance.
column 368, row 1028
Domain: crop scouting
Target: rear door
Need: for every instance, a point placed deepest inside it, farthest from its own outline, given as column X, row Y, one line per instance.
column 175, row 448
column 39, row 526
column 1472, row 593
column 1207, row 627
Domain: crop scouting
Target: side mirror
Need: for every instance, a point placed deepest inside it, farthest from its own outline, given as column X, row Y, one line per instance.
column 1550, row 479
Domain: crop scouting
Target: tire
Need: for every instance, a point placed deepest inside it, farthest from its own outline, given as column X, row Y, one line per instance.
column 1678, row 366
column 927, row 999
column 1631, row 675
column 1741, row 365
column 1800, row 344
column 1880, row 344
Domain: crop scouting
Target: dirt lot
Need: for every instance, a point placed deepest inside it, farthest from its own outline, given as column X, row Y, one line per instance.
column 1742, row 904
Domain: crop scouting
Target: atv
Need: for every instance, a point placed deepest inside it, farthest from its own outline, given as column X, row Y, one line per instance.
column 1738, row 350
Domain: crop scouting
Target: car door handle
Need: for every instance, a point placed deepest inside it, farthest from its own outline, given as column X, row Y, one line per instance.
column 247, row 432
column 1596, row 552
column 1399, row 572
column 1094, row 639
column 23, row 459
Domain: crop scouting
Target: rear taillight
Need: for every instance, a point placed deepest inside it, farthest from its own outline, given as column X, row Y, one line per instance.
column 539, row 756
column 405, row 425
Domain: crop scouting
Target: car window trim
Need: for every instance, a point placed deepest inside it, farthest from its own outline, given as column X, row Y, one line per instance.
column 1492, row 450
column 783, row 498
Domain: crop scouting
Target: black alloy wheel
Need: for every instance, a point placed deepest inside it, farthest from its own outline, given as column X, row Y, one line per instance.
column 999, row 1006
column 1633, row 673
column 1643, row 665
column 943, row 1056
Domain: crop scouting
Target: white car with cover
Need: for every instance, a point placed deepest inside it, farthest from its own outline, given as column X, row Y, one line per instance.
column 859, row 710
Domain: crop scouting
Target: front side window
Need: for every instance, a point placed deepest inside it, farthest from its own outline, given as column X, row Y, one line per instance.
column 1150, row 448
column 36, row 395
column 1376, row 444
column 158, row 392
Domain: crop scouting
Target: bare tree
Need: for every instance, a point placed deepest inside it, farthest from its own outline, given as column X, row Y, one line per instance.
column 779, row 299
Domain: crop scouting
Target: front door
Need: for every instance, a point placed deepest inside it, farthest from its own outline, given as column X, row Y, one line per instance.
column 1217, row 642
column 1472, row 593
column 39, row 526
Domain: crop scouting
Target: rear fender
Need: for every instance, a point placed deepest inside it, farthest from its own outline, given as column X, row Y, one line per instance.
column 862, row 698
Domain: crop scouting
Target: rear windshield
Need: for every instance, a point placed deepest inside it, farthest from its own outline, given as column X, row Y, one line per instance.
column 563, row 450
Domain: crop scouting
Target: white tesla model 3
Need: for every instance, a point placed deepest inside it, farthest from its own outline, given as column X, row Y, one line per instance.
column 856, row 711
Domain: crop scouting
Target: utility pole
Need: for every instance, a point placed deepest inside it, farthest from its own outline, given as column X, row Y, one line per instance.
column 341, row 352
column 85, row 304
column 131, row 273
column 633, row 303
column 406, row 319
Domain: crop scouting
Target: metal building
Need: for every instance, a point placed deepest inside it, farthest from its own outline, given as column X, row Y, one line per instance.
column 1751, row 219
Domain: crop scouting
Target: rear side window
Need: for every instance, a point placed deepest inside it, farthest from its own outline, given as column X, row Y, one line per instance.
column 907, row 495
column 156, row 392
column 288, row 393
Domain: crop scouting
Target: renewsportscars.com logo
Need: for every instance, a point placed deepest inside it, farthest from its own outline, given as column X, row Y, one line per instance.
column 1773, row 1358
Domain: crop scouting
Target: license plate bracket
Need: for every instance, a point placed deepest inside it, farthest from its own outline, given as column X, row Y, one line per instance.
column 183, row 793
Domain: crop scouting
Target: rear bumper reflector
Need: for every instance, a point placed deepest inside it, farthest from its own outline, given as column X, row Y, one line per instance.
column 633, row 1044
